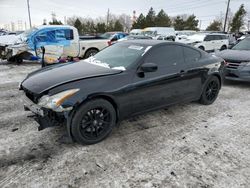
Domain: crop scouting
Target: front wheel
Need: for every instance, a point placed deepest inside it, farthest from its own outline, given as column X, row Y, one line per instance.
column 93, row 121
column 210, row 91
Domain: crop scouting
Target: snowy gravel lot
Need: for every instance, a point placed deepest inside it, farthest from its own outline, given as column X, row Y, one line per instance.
column 187, row 145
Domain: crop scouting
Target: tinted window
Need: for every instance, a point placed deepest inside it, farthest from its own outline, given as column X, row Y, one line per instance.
column 209, row 38
column 191, row 55
column 168, row 55
column 217, row 37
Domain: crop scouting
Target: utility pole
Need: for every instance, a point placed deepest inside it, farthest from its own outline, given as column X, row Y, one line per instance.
column 225, row 23
column 200, row 24
column 108, row 18
column 28, row 4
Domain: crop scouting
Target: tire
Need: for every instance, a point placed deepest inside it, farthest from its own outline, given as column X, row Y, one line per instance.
column 202, row 48
column 223, row 48
column 93, row 121
column 18, row 60
column 90, row 52
column 210, row 91
column 11, row 59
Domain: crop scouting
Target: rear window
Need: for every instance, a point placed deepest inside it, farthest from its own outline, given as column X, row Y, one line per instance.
column 191, row 55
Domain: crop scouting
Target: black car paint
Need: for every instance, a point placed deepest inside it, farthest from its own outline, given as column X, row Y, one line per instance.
column 131, row 92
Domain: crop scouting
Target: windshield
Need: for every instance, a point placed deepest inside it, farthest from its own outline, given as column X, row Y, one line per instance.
column 118, row 56
column 149, row 33
column 243, row 45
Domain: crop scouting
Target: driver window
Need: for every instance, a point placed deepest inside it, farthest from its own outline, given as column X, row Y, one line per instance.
column 166, row 56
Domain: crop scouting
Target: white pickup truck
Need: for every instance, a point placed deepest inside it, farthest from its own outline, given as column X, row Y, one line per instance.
column 58, row 40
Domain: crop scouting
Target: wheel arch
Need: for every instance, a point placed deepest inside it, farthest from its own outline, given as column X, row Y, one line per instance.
column 218, row 76
column 108, row 98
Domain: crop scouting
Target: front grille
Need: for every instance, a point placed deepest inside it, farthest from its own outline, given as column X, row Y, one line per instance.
column 233, row 65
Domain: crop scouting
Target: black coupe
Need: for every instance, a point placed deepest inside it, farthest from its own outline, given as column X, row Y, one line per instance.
column 123, row 80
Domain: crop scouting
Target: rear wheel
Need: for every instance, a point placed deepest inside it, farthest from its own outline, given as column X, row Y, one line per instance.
column 202, row 48
column 210, row 91
column 93, row 121
column 90, row 52
column 223, row 47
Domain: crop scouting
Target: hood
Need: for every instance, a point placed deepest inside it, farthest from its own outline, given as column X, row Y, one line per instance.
column 10, row 39
column 234, row 55
column 49, row 77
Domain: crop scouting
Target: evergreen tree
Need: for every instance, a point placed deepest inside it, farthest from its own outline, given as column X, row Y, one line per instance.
column 100, row 27
column 118, row 26
column 78, row 26
column 150, row 18
column 191, row 23
column 178, row 23
column 238, row 19
column 214, row 26
column 140, row 22
column 162, row 19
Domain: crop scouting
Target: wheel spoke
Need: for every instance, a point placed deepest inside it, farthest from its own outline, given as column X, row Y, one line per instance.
column 95, row 123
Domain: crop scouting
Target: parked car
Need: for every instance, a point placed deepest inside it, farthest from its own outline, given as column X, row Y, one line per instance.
column 58, row 40
column 180, row 35
column 135, row 37
column 113, row 37
column 237, row 61
column 208, row 41
column 135, row 32
column 123, row 80
column 155, row 32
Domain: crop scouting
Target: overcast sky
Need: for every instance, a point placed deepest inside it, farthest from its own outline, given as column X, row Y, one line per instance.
column 205, row 10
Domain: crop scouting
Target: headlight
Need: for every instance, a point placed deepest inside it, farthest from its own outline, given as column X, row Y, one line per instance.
column 54, row 102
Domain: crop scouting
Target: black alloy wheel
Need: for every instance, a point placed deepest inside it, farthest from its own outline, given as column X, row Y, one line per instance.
column 210, row 91
column 93, row 121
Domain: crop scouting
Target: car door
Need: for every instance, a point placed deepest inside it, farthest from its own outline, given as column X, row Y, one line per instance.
column 209, row 43
column 194, row 73
column 217, row 42
column 162, row 87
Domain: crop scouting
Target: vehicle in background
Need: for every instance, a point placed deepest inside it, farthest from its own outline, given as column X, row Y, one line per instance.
column 58, row 41
column 208, row 42
column 237, row 61
column 180, row 35
column 135, row 37
column 113, row 37
column 135, row 32
column 155, row 32
column 126, row 79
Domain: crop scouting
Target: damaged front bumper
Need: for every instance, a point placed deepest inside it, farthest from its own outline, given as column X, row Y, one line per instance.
column 44, row 117
column 240, row 73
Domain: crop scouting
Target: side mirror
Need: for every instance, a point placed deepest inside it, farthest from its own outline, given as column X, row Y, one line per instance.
column 149, row 67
